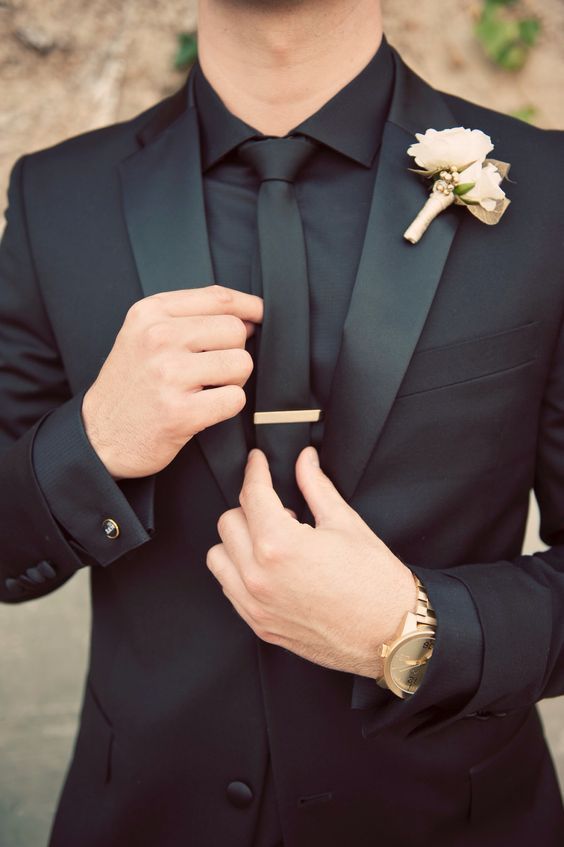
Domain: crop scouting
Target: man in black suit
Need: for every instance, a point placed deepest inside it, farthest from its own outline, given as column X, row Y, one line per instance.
column 249, row 683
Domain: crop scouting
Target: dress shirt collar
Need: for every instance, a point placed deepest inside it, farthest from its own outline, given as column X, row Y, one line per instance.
column 351, row 122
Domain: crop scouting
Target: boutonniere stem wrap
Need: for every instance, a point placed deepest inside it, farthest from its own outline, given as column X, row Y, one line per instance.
column 455, row 160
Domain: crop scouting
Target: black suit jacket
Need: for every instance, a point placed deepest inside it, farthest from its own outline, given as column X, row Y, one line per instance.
column 447, row 407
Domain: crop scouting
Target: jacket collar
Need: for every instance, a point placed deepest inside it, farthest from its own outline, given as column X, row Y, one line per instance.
column 350, row 123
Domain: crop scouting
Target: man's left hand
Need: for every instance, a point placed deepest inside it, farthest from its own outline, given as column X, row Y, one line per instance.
column 331, row 594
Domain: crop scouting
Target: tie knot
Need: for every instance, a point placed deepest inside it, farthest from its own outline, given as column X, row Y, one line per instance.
column 277, row 158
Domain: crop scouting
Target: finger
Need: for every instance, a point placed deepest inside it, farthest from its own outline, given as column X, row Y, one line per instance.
column 260, row 502
column 213, row 405
column 326, row 504
column 223, row 568
column 211, row 368
column 234, row 532
column 212, row 300
column 201, row 333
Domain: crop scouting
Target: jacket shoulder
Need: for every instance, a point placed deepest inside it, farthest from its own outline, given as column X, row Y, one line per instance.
column 106, row 146
column 510, row 135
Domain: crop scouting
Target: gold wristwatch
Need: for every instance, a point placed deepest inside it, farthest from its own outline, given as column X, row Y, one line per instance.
column 406, row 657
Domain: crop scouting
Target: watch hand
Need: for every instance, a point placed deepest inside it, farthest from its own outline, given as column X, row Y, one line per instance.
column 415, row 662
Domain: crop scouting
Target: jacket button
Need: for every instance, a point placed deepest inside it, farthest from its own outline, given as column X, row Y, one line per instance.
column 239, row 794
column 111, row 529
column 35, row 575
column 14, row 586
column 47, row 570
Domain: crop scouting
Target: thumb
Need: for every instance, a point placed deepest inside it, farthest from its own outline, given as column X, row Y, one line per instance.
column 326, row 504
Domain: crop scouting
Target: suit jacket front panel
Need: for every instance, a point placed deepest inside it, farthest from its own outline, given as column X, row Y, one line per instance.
column 482, row 356
column 446, row 483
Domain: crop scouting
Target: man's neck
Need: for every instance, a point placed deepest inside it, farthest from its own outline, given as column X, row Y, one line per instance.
column 274, row 67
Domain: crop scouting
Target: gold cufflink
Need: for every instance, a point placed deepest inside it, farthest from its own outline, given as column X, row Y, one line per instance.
column 292, row 416
column 111, row 528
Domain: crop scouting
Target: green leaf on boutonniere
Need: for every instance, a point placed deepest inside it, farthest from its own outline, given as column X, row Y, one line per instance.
column 464, row 188
column 421, row 172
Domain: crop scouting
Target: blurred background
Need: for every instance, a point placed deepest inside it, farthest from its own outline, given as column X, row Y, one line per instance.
column 67, row 66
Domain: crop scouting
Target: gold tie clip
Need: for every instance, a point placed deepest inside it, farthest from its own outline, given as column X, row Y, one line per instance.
column 292, row 416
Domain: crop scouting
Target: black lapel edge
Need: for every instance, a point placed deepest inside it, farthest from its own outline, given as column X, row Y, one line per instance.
column 164, row 208
column 394, row 289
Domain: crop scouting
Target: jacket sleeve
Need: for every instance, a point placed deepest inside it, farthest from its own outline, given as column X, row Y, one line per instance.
column 500, row 625
column 54, row 492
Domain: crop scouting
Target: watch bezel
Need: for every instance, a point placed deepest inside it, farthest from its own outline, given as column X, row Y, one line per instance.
column 421, row 634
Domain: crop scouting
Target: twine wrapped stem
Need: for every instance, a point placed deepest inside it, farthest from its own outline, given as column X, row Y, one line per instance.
column 435, row 204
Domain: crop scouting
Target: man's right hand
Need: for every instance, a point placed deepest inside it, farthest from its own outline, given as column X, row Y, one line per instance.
column 178, row 365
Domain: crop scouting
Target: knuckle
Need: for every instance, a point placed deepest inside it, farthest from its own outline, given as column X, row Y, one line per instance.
column 224, row 521
column 268, row 551
column 146, row 306
column 248, row 493
column 156, row 301
column 221, row 294
column 233, row 400
column 156, row 336
column 245, row 362
column 211, row 557
column 136, row 311
column 236, row 363
column 221, row 523
column 234, row 327
column 257, row 587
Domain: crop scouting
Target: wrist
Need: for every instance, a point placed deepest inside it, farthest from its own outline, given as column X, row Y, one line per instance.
column 100, row 446
column 404, row 601
column 402, row 598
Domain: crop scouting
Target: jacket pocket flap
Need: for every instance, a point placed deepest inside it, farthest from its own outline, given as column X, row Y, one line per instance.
column 441, row 366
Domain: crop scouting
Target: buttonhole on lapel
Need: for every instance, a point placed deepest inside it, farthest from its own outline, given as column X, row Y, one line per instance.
column 315, row 799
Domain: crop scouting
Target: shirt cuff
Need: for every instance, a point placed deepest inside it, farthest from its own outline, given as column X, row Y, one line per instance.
column 82, row 494
column 454, row 671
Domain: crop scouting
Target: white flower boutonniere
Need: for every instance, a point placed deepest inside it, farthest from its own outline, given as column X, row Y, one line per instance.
column 455, row 160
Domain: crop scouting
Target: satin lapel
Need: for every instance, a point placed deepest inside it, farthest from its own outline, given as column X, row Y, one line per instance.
column 166, row 220
column 393, row 291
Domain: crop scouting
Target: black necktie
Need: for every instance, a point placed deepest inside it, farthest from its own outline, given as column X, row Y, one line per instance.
column 283, row 360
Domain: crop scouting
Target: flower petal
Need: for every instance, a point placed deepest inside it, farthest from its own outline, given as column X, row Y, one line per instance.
column 456, row 147
column 486, row 191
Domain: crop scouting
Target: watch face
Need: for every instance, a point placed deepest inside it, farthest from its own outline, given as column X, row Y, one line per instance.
column 408, row 661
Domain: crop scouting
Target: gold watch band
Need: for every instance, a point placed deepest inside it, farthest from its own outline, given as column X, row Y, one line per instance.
column 422, row 619
column 424, row 612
